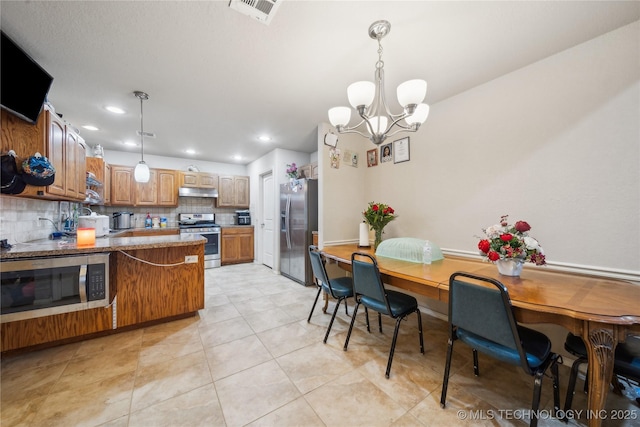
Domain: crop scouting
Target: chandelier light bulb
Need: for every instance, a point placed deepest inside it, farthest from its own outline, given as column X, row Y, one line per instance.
column 419, row 115
column 361, row 93
column 339, row 116
column 378, row 124
column 412, row 92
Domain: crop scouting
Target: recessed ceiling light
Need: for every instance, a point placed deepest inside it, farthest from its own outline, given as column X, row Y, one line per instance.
column 264, row 138
column 130, row 144
column 190, row 151
column 90, row 127
column 237, row 157
column 115, row 110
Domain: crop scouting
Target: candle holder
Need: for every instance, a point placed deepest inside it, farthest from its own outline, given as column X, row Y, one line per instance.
column 86, row 236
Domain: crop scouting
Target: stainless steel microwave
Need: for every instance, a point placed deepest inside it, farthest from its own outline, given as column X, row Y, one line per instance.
column 37, row 287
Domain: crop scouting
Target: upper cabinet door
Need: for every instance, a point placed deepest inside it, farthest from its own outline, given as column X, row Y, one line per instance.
column 226, row 192
column 167, row 188
column 233, row 191
column 56, row 135
column 242, row 191
column 147, row 192
column 122, row 187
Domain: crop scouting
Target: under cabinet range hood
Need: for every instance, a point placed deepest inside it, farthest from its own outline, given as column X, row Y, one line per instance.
column 198, row 192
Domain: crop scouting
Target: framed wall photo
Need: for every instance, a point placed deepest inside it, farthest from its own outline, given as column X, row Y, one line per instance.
column 386, row 152
column 401, row 150
column 372, row 157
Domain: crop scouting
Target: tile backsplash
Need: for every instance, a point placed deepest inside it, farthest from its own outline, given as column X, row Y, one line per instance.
column 19, row 216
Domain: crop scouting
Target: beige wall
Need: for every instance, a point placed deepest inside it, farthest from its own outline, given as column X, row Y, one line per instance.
column 555, row 143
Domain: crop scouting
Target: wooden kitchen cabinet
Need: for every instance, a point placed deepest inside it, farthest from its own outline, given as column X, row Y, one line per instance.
column 199, row 180
column 102, row 171
column 233, row 191
column 106, row 184
column 122, row 188
column 75, row 165
column 42, row 330
column 236, row 245
column 152, row 292
column 167, row 187
column 309, row 170
column 161, row 190
column 59, row 142
column 146, row 193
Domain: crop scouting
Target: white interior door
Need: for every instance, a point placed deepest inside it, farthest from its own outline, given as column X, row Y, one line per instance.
column 266, row 227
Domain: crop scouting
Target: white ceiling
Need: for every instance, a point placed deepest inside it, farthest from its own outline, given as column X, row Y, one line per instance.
column 218, row 79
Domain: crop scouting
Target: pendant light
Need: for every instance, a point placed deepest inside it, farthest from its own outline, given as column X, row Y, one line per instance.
column 141, row 172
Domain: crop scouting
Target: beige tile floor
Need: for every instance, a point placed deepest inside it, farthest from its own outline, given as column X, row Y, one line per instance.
column 251, row 358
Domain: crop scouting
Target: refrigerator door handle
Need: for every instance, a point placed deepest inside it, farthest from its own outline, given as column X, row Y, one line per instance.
column 288, row 220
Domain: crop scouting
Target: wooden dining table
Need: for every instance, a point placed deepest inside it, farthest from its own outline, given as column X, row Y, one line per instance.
column 603, row 311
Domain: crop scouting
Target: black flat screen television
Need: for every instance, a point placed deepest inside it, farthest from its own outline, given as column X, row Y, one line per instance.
column 24, row 84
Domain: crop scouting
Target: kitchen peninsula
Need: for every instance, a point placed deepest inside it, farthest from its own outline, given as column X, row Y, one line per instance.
column 150, row 279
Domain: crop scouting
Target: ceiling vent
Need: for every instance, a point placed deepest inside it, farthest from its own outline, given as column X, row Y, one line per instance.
column 262, row 10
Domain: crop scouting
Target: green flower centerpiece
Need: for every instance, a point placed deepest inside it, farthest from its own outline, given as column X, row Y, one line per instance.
column 378, row 215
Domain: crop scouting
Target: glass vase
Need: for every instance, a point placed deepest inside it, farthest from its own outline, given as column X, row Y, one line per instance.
column 377, row 239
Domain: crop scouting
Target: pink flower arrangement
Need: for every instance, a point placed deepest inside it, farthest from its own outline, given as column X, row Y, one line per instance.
column 292, row 171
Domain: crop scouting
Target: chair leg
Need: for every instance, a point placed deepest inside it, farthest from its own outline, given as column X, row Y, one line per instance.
column 445, row 380
column 393, row 346
column 556, row 385
column 380, row 322
column 476, row 369
column 314, row 304
column 333, row 316
column 353, row 319
column 572, row 383
column 346, row 309
column 366, row 315
column 537, row 389
column 420, row 330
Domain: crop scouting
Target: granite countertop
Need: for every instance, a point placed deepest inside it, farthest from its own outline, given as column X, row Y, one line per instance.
column 236, row 226
column 46, row 247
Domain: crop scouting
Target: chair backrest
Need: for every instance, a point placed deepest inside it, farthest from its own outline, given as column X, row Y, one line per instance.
column 367, row 280
column 317, row 265
column 484, row 310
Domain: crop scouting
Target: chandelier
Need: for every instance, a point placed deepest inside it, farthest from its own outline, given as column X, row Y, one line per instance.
column 141, row 172
column 368, row 100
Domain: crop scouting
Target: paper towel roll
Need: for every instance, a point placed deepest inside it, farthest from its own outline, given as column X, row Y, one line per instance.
column 364, row 235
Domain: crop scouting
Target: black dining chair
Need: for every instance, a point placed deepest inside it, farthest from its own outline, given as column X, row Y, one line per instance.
column 339, row 288
column 369, row 291
column 481, row 316
column 626, row 363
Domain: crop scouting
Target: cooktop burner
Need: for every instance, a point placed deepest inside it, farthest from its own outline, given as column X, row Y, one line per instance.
column 186, row 221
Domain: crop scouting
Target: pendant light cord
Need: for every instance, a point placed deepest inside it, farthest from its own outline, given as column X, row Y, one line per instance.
column 141, row 131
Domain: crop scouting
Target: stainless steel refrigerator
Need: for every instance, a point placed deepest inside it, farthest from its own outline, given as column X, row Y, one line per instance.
column 298, row 218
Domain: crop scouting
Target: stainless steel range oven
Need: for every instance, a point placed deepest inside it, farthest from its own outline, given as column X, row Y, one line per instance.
column 205, row 225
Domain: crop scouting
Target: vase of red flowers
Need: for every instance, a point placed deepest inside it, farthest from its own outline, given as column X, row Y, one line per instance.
column 378, row 215
column 510, row 246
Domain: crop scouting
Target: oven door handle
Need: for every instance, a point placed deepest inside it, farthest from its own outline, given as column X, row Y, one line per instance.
column 82, row 283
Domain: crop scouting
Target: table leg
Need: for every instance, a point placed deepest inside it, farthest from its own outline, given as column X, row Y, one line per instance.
column 601, row 344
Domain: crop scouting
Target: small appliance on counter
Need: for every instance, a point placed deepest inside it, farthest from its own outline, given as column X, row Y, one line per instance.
column 122, row 220
column 99, row 222
column 243, row 217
